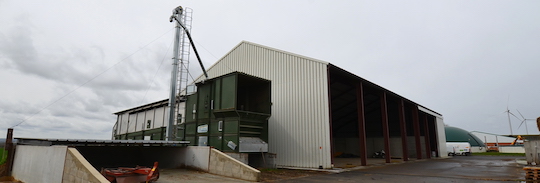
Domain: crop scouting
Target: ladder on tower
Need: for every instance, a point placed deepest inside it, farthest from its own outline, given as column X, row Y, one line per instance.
column 180, row 74
column 183, row 65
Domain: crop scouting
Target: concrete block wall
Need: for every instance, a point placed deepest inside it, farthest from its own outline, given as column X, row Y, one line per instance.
column 350, row 145
column 411, row 142
column 78, row 170
column 532, row 151
column 222, row 164
column 242, row 157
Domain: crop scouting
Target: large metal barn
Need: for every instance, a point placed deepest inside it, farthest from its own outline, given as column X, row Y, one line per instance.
column 321, row 114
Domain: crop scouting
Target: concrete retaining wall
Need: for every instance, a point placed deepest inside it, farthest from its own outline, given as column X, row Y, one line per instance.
column 221, row 164
column 478, row 149
column 78, row 170
column 197, row 157
column 38, row 164
column 512, row 149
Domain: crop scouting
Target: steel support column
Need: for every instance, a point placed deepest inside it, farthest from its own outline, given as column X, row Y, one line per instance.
column 361, row 123
column 403, row 130
column 426, row 137
column 384, row 121
column 416, row 125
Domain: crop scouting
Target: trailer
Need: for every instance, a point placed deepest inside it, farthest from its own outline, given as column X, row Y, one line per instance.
column 458, row 148
column 129, row 175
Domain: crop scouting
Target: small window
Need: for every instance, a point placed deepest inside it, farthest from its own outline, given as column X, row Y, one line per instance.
column 148, row 124
column 220, row 126
column 194, row 110
column 179, row 119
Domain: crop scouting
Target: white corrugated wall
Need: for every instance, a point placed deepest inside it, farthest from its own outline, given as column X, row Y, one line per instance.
column 299, row 131
column 439, row 128
column 441, row 136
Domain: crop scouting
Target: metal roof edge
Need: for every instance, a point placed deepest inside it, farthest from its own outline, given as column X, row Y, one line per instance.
column 508, row 135
column 261, row 46
column 286, row 52
column 142, row 106
column 429, row 111
column 232, row 73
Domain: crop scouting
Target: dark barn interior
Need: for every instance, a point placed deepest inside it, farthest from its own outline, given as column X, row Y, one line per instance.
column 366, row 118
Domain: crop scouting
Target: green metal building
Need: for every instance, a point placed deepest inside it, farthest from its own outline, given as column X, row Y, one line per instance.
column 229, row 113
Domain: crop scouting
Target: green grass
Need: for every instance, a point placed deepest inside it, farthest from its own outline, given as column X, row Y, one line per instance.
column 498, row 154
column 3, row 156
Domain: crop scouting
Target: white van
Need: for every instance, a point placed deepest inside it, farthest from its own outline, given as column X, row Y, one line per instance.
column 458, row 148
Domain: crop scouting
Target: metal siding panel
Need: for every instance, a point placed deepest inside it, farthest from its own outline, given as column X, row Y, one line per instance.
column 149, row 116
column 165, row 122
column 299, row 122
column 229, row 86
column 131, row 123
column 159, row 117
column 124, row 126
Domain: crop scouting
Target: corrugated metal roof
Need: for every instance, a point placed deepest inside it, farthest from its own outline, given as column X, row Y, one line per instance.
column 146, row 106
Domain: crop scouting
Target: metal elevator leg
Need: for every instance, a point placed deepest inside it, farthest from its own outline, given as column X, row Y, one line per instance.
column 361, row 123
column 403, row 130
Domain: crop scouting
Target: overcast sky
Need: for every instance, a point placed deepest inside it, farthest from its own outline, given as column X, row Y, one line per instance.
column 468, row 60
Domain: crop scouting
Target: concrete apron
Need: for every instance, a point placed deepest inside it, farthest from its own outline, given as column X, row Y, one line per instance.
column 350, row 164
column 192, row 176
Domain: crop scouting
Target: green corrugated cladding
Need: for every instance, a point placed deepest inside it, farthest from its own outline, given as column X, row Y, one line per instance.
column 155, row 134
column 454, row 134
column 239, row 102
column 228, row 95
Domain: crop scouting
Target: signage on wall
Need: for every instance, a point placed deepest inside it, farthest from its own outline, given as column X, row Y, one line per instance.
column 202, row 129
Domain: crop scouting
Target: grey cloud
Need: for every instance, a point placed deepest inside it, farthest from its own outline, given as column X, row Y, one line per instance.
column 76, row 65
